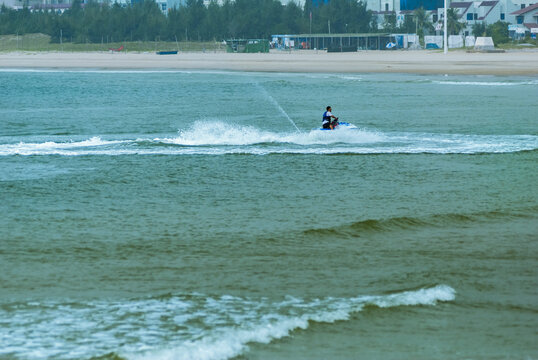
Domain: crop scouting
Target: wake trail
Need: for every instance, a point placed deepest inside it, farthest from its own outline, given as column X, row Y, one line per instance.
column 217, row 137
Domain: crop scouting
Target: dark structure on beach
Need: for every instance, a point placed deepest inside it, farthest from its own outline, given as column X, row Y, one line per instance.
column 333, row 42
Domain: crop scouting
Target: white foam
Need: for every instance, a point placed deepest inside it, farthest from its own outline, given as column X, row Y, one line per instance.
column 231, row 342
column 220, row 138
column 486, row 83
column 111, row 71
column 204, row 133
column 177, row 327
column 428, row 296
column 350, row 77
column 51, row 147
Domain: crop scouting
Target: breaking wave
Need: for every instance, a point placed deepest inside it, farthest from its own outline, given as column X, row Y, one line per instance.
column 217, row 138
column 486, row 83
column 190, row 326
column 411, row 223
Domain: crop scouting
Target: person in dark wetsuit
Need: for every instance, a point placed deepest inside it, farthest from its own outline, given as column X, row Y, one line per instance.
column 328, row 123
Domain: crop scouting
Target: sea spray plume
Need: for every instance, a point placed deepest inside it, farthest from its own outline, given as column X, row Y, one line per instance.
column 205, row 133
column 274, row 102
column 208, row 133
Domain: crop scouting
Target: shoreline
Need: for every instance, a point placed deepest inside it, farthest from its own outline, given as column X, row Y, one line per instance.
column 515, row 63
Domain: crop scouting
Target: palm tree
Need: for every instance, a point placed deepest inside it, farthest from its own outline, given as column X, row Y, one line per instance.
column 389, row 22
column 422, row 21
column 453, row 23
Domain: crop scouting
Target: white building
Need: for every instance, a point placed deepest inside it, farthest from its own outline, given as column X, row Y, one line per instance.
column 10, row 3
column 470, row 12
column 482, row 12
column 526, row 21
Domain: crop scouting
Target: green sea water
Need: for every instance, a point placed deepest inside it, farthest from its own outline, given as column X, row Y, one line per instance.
column 203, row 215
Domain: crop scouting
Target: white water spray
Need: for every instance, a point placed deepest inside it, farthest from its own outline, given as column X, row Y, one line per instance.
column 276, row 104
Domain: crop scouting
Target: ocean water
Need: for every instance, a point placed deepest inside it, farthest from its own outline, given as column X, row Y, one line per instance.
column 202, row 215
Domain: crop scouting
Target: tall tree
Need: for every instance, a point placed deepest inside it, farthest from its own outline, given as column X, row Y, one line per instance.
column 144, row 20
column 292, row 20
column 195, row 13
column 499, row 32
column 479, row 29
column 389, row 22
column 213, row 21
column 409, row 25
column 453, row 22
column 423, row 23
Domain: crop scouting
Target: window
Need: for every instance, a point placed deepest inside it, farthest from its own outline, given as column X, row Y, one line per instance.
column 469, row 16
column 523, row 6
column 435, row 18
column 386, row 7
column 519, row 19
column 502, row 16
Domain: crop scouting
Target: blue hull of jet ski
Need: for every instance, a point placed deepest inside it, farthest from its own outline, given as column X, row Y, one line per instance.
column 342, row 125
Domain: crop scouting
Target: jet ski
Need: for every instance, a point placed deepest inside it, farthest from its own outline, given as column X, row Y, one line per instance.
column 341, row 125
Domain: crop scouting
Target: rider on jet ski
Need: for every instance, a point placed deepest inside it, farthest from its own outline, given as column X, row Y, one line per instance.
column 328, row 123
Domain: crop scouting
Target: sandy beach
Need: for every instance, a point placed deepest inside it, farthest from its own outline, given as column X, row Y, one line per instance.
column 421, row 62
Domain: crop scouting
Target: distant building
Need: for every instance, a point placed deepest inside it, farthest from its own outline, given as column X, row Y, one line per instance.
column 58, row 5
column 10, row 3
column 526, row 21
column 528, row 14
column 319, row 2
column 469, row 12
column 14, row 4
column 415, row 4
column 487, row 12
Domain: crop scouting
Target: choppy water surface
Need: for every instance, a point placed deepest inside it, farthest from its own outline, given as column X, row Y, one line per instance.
column 202, row 215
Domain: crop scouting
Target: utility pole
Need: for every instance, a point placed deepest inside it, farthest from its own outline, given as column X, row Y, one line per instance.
column 310, row 40
column 310, row 23
column 445, row 38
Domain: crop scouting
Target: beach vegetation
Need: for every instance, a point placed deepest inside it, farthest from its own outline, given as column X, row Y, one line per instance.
column 455, row 26
column 42, row 42
column 479, row 29
column 498, row 32
column 422, row 22
column 389, row 22
column 94, row 22
column 408, row 26
column 416, row 23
